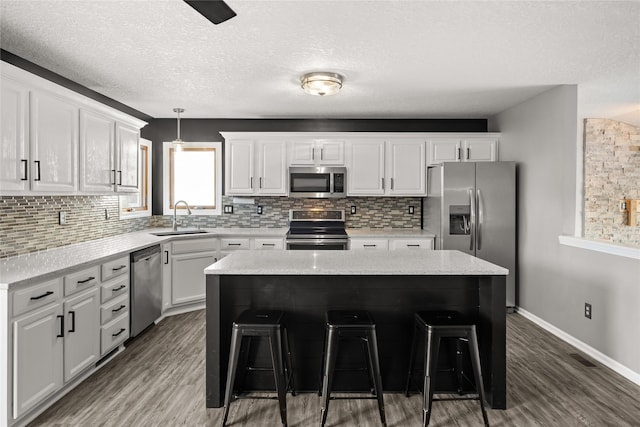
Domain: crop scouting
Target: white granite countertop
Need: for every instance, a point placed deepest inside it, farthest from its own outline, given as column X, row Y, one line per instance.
column 400, row 262
column 37, row 266
column 388, row 233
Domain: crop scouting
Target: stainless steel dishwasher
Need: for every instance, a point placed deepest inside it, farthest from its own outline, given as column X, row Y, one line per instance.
column 146, row 288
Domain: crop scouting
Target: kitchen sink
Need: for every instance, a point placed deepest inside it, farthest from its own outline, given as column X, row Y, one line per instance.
column 179, row 232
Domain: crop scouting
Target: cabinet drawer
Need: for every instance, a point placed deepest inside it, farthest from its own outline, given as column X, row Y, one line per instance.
column 35, row 296
column 233, row 244
column 411, row 244
column 194, row 245
column 114, row 333
column 84, row 279
column 268, row 244
column 113, row 309
column 369, row 244
column 114, row 289
column 115, row 268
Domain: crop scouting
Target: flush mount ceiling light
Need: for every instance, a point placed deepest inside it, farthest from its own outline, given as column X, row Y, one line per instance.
column 321, row 83
column 178, row 143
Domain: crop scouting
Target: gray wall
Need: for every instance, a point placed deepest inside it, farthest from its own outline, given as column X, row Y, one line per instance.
column 555, row 280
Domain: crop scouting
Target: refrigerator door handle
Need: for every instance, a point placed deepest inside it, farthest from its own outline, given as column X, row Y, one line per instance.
column 472, row 202
column 480, row 219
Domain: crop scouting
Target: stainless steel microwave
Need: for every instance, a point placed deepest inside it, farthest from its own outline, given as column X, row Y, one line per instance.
column 317, row 182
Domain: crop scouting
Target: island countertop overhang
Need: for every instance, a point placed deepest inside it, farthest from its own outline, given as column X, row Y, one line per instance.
column 400, row 262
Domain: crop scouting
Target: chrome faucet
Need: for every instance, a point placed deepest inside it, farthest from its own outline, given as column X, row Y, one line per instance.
column 175, row 220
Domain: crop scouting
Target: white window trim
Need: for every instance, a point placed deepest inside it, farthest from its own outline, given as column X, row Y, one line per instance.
column 604, row 247
column 146, row 212
column 166, row 210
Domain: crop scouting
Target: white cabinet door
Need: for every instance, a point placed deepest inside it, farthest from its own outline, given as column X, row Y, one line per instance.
column 14, row 152
column 406, row 167
column 187, row 276
column 302, row 152
column 239, row 166
column 97, row 152
column 365, row 161
column 330, row 152
column 272, row 168
column 480, row 150
column 444, row 150
column 37, row 358
column 82, row 333
column 54, row 143
column 128, row 149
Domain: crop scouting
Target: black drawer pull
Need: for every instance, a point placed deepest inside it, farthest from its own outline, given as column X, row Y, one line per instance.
column 118, row 268
column 73, row 321
column 46, row 294
column 413, row 246
column 86, row 280
column 119, row 332
column 268, row 244
column 234, row 244
column 369, row 246
column 121, row 287
column 61, row 334
column 115, row 310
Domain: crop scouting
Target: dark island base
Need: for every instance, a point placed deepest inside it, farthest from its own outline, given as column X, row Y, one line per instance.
column 392, row 300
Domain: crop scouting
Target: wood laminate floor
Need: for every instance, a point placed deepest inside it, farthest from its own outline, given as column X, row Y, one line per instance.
column 159, row 381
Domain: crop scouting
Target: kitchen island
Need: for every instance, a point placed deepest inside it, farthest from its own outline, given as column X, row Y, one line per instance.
column 391, row 285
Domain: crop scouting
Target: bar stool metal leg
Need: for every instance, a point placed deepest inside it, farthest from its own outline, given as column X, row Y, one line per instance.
column 430, row 372
column 412, row 357
column 290, row 369
column 236, row 342
column 477, row 371
column 275, row 340
column 459, row 365
column 329, row 368
column 374, row 362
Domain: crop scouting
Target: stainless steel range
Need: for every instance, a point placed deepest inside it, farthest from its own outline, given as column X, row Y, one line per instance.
column 317, row 229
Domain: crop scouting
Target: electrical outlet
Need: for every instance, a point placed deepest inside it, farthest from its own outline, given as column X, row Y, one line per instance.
column 259, row 210
column 353, row 210
column 107, row 215
column 623, row 205
column 587, row 310
column 62, row 218
column 228, row 209
column 411, row 210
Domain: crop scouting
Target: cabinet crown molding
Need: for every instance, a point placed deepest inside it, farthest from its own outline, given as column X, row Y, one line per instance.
column 356, row 135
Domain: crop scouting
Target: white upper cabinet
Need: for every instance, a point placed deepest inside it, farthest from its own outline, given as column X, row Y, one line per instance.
column 14, row 155
column 97, row 152
column 406, row 167
column 255, row 167
column 54, row 143
column 462, row 150
column 316, row 152
column 365, row 160
column 127, row 151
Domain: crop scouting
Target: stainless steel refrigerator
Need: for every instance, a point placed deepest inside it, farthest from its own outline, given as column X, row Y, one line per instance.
column 471, row 207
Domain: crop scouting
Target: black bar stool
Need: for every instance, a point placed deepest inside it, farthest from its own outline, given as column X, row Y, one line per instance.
column 436, row 325
column 350, row 324
column 261, row 323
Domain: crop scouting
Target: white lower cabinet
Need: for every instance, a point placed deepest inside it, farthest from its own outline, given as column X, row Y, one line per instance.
column 81, row 341
column 392, row 243
column 369, row 244
column 37, row 357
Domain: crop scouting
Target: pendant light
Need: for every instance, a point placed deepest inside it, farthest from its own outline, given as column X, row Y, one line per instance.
column 178, row 143
column 321, row 83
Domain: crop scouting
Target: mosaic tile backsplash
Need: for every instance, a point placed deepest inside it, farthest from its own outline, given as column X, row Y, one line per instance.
column 30, row 223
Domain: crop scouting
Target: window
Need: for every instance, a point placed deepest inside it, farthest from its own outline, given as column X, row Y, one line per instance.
column 139, row 204
column 193, row 174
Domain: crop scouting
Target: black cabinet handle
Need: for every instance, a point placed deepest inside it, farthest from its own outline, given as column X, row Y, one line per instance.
column 86, row 280
column 113, row 175
column 46, row 294
column 119, row 177
column 61, row 334
column 413, row 246
column 118, row 268
column 115, row 310
column 73, row 321
column 37, row 162
column 118, row 333
column 25, row 165
column 468, row 152
column 166, row 254
column 118, row 288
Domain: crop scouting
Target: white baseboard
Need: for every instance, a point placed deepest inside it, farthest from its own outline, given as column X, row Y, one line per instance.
column 181, row 309
column 595, row 354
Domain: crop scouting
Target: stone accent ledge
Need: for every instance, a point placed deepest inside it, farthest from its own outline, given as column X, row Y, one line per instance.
column 593, row 245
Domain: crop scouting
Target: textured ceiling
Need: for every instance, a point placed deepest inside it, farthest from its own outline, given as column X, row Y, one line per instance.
column 400, row 59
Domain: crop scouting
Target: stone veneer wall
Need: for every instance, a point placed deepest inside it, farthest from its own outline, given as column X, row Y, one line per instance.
column 611, row 173
column 30, row 223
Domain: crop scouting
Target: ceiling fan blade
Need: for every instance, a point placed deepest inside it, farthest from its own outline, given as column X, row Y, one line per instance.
column 216, row 11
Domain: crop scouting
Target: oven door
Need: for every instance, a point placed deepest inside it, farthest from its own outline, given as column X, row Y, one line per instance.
column 317, row 244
